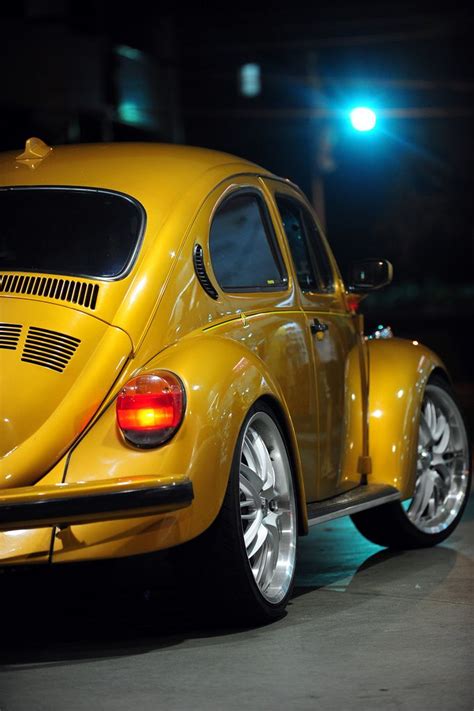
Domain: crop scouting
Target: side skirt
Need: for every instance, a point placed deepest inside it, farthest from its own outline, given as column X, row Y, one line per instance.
column 363, row 497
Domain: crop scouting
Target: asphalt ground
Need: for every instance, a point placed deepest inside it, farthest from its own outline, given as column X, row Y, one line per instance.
column 366, row 629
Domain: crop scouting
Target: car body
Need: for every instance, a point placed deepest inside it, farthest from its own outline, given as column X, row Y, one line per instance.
column 153, row 261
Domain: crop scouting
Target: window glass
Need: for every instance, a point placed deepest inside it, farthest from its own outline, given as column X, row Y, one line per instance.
column 320, row 254
column 295, row 233
column 312, row 266
column 242, row 245
column 68, row 231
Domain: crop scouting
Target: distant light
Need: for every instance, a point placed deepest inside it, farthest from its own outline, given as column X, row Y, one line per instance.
column 130, row 112
column 363, row 119
column 129, row 52
column 250, row 82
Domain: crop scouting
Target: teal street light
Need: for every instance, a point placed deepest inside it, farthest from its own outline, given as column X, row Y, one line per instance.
column 363, row 118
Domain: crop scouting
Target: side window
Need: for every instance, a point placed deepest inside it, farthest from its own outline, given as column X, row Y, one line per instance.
column 243, row 248
column 310, row 258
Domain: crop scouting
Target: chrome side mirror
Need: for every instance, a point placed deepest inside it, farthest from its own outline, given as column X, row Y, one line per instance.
column 368, row 275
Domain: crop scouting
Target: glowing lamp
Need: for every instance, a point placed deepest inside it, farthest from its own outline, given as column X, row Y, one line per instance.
column 363, row 118
column 150, row 408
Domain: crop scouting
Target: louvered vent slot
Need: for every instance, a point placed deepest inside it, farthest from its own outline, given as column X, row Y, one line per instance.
column 9, row 335
column 75, row 292
column 50, row 349
column 201, row 273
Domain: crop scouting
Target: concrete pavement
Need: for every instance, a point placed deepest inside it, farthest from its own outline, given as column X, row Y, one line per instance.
column 366, row 629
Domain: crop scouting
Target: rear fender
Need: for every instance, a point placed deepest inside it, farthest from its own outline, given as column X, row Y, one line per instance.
column 399, row 371
column 222, row 381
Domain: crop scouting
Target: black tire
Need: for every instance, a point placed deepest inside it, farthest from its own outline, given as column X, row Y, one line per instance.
column 217, row 563
column 391, row 525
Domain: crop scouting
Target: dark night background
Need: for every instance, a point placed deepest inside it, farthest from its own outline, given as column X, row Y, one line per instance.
column 99, row 71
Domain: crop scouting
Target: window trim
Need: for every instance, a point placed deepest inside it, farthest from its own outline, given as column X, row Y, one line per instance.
column 77, row 188
column 331, row 289
column 270, row 235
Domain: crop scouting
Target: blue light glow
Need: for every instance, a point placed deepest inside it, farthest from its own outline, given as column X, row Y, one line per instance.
column 250, row 80
column 363, row 118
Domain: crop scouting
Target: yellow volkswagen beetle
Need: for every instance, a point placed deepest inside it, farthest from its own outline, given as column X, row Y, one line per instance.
column 182, row 367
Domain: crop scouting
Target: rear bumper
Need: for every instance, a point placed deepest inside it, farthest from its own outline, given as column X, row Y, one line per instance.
column 86, row 502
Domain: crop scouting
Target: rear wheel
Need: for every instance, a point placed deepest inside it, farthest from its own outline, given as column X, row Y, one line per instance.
column 267, row 509
column 247, row 557
column 442, row 479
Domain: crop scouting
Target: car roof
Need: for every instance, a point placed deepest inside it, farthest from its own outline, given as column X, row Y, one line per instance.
column 146, row 171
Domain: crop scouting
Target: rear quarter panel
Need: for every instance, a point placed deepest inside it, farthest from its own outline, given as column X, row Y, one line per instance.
column 222, row 380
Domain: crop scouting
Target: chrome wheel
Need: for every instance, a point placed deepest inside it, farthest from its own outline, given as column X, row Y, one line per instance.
column 267, row 507
column 443, row 463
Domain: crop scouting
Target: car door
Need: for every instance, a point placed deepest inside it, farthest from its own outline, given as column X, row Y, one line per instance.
column 255, row 300
column 334, row 336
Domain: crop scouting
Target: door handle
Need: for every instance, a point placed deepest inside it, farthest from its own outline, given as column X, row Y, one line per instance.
column 318, row 326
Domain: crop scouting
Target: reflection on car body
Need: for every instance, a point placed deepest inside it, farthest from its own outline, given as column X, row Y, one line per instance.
column 183, row 368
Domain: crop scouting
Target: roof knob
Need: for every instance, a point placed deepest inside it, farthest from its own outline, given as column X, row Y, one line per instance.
column 35, row 151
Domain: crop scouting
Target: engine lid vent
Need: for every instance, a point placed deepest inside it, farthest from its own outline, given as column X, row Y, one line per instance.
column 71, row 290
column 9, row 335
column 49, row 349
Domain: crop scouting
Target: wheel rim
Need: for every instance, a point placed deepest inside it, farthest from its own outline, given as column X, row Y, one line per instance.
column 442, row 469
column 267, row 507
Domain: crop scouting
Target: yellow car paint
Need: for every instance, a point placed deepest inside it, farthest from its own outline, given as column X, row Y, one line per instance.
column 394, row 408
column 229, row 352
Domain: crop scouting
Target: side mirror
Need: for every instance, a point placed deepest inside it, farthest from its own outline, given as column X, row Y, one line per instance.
column 368, row 275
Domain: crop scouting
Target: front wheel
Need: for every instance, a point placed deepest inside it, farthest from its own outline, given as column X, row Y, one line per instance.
column 442, row 479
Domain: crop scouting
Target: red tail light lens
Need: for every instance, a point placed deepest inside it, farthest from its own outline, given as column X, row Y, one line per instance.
column 150, row 408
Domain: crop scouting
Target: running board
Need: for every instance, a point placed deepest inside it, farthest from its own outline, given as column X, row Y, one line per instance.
column 363, row 497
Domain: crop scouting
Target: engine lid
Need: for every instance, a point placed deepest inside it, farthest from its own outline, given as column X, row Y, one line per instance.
column 57, row 365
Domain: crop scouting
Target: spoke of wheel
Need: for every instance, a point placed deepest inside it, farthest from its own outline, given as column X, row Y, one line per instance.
column 269, row 485
column 422, row 495
column 428, row 413
column 445, row 434
column 425, row 432
column 431, row 507
column 440, row 425
column 248, row 453
column 266, row 467
column 270, row 555
column 254, row 516
column 255, row 542
column 252, row 481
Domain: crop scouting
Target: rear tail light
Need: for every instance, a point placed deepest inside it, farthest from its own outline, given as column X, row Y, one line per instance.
column 150, row 408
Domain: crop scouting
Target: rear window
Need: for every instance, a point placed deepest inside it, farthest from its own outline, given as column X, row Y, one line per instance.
column 78, row 232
